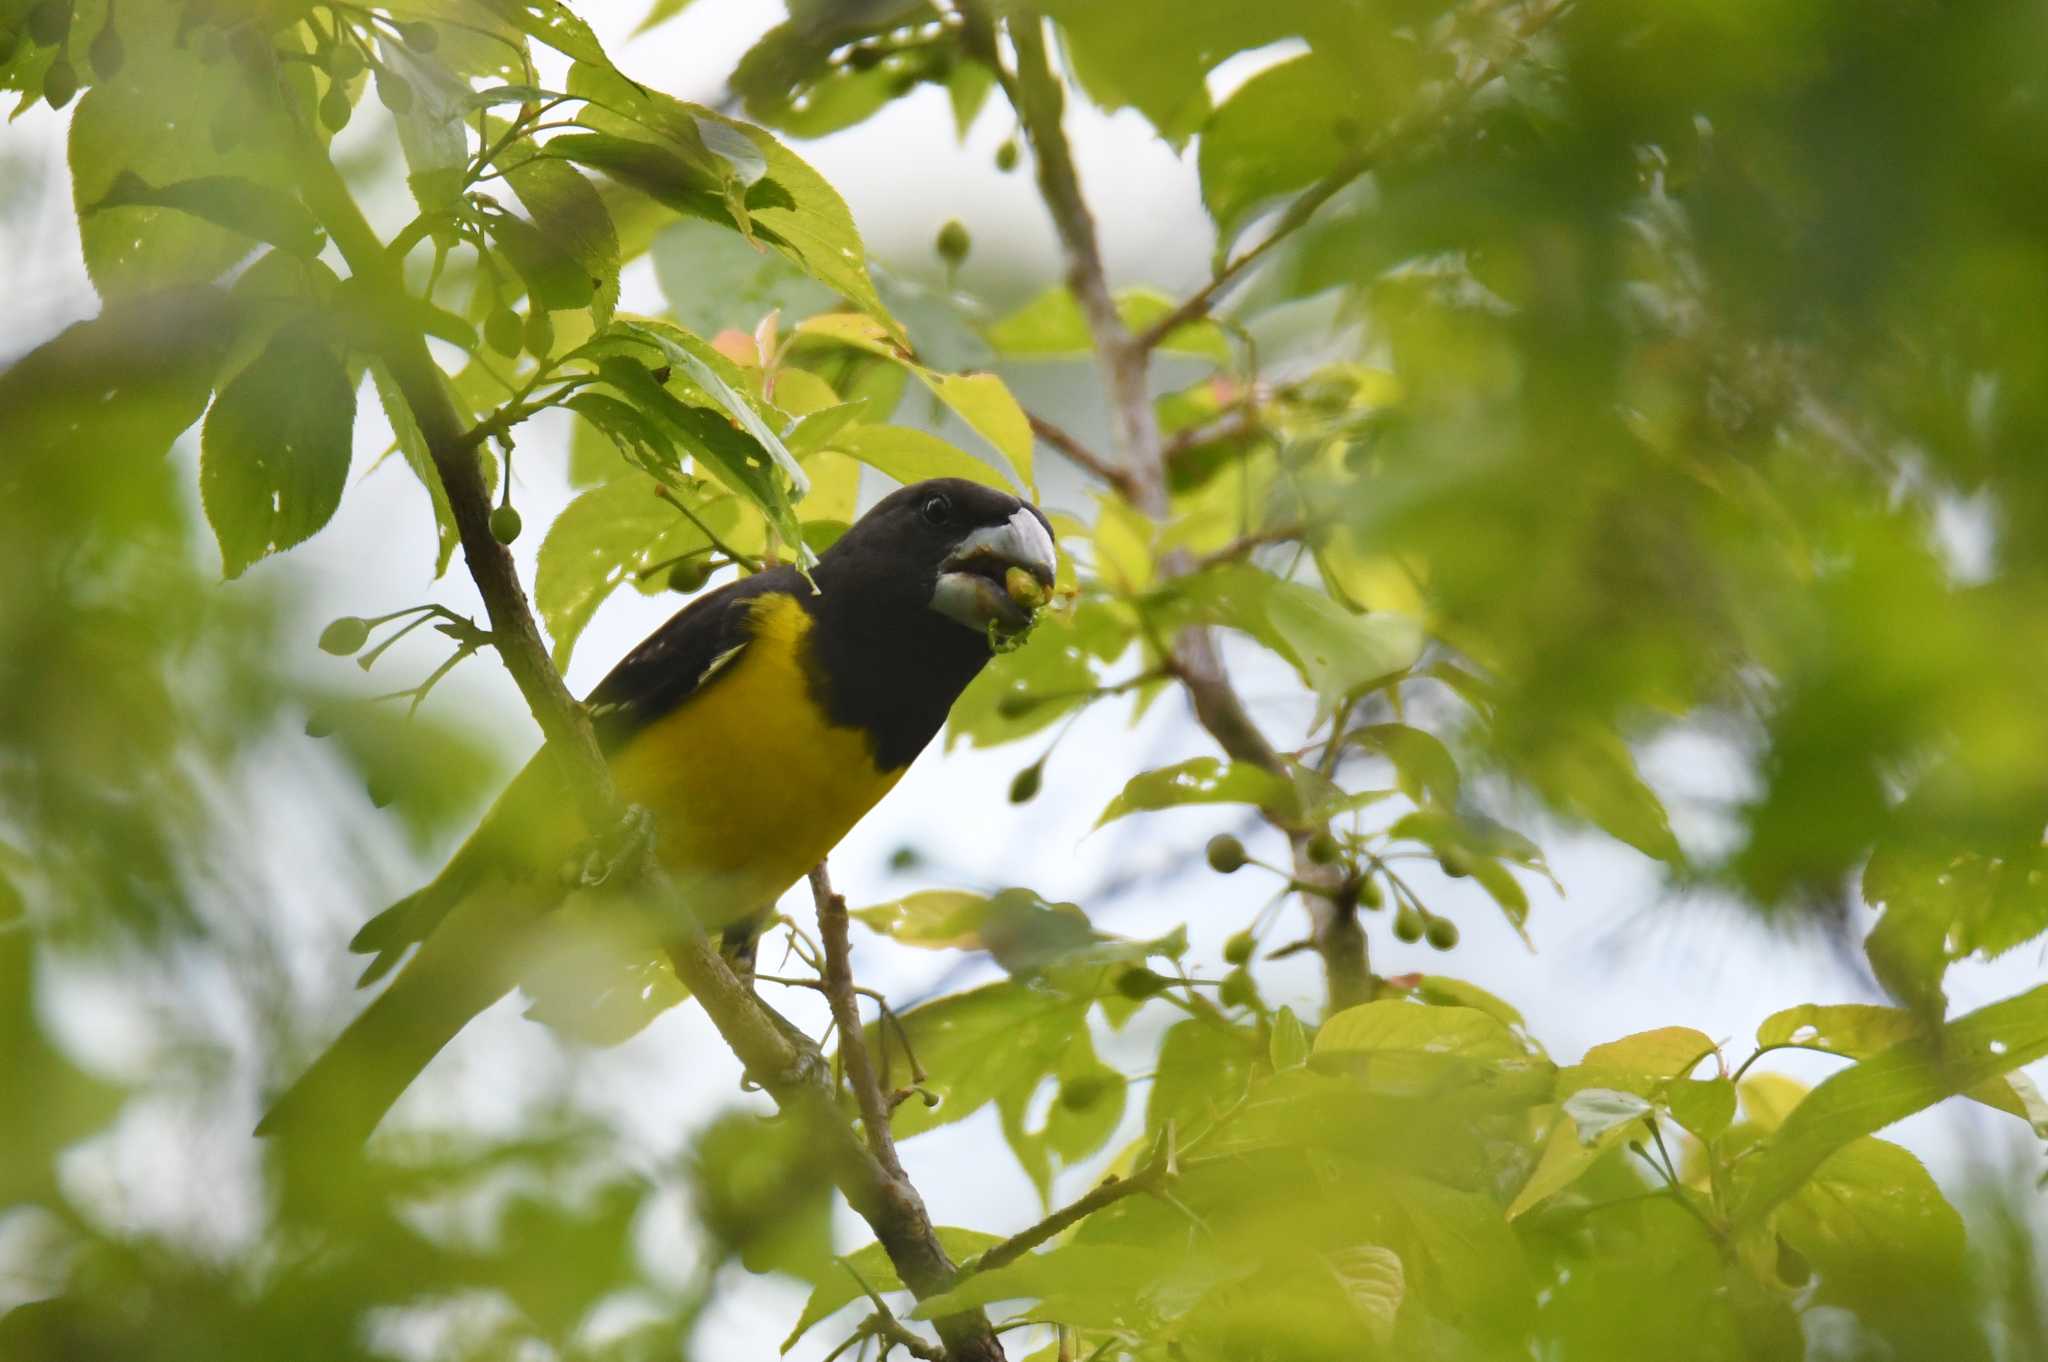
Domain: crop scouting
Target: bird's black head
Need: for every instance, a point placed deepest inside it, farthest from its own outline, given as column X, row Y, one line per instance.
column 975, row 555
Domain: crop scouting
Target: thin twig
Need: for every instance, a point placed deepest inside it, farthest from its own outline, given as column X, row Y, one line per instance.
column 1078, row 453
column 1239, row 547
column 853, row 1050
column 1156, row 1176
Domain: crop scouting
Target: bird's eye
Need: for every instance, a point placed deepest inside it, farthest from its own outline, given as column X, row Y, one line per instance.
column 936, row 510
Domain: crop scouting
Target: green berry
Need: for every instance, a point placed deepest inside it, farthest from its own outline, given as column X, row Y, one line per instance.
column 953, row 243
column 108, row 53
column 394, row 91
column 1236, row 989
column 1442, row 933
column 420, row 37
column 1226, row 854
column 380, row 791
column 1007, row 155
column 1408, row 925
column 344, row 60
column 505, row 523
column 1369, row 895
column 1024, row 787
column 335, row 108
column 1454, row 862
column 1239, row 947
column 50, row 22
column 539, row 332
column 60, row 83
column 1322, row 849
column 690, row 575
column 320, row 723
column 1015, row 704
column 1082, row 1091
column 345, row 637
column 1139, row 983
column 504, row 332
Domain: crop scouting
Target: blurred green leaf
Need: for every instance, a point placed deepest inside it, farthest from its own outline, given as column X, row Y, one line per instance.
column 1891, row 1085
column 1201, row 780
column 275, row 452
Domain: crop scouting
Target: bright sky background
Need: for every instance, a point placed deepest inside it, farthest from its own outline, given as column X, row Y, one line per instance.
column 1614, row 957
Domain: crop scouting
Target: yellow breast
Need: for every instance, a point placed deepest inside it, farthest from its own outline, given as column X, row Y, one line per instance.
column 749, row 782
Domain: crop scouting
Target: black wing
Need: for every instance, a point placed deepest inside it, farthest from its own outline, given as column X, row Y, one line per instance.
column 674, row 660
column 662, row 672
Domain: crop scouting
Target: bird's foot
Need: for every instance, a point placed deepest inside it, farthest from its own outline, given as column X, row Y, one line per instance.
column 619, row 847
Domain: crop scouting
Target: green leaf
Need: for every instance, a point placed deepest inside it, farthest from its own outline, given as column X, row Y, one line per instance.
column 907, row 455
column 1288, row 1046
column 803, row 218
column 1201, row 780
column 555, row 280
column 978, row 1045
column 731, row 455
column 554, row 24
column 815, row 430
column 1340, row 653
column 571, row 215
column 715, row 280
column 1873, row 1224
column 1202, row 1070
column 1392, row 1026
column 1052, row 326
column 840, row 1289
column 1409, row 1049
column 1423, row 766
column 605, row 537
column 1860, row 1030
column 412, row 446
column 275, row 450
column 240, row 205
column 124, row 383
column 1372, row 1279
column 1282, row 130
column 1596, row 1111
column 1891, row 1085
column 715, row 374
column 1704, row 1106
column 982, row 400
column 934, row 919
column 1642, row 1065
column 153, row 123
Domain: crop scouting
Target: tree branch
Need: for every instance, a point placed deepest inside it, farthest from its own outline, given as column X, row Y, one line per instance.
column 1125, row 363
column 1040, row 102
column 796, row 1079
column 1155, row 1176
column 853, row 1050
column 1125, row 485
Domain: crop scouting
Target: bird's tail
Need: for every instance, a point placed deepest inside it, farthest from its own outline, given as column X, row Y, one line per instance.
column 470, row 962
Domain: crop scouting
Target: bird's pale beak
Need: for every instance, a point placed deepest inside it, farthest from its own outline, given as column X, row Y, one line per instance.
column 999, row 576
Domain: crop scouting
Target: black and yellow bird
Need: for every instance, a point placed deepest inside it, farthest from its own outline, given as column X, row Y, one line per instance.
column 756, row 726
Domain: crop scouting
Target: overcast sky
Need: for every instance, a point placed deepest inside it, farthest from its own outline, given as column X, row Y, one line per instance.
column 1613, row 957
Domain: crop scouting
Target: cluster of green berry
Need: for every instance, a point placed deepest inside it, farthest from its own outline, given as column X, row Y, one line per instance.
column 1359, row 888
column 49, row 25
